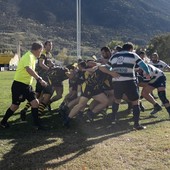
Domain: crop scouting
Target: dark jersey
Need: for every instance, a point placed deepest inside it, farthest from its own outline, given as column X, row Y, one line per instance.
column 93, row 84
column 95, row 79
column 46, row 57
column 57, row 75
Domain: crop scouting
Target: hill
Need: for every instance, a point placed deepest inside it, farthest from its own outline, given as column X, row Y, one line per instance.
column 102, row 21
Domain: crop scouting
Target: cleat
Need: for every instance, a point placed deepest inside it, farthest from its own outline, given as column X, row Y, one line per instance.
column 23, row 115
column 4, row 125
column 115, row 121
column 156, row 109
column 66, row 124
column 139, row 127
column 90, row 116
column 104, row 113
column 114, row 117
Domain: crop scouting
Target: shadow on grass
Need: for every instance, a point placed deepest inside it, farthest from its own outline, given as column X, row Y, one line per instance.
column 57, row 146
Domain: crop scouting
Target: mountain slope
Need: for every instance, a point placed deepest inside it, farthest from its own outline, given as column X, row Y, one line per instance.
column 102, row 21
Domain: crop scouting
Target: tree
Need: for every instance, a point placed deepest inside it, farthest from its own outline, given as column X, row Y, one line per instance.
column 161, row 45
column 65, row 58
column 114, row 43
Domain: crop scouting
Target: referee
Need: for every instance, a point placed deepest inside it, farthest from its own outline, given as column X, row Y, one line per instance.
column 22, row 85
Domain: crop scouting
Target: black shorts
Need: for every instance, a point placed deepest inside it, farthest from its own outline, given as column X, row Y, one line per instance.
column 57, row 84
column 160, row 82
column 107, row 86
column 20, row 92
column 90, row 91
column 141, row 79
column 45, row 90
column 74, row 86
column 129, row 88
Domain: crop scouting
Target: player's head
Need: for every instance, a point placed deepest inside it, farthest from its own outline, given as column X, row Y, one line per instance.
column 105, row 52
column 82, row 65
column 142, row 54
column 48, row 46
column 37, row 48
column 118, row 48
column 127, row 46
column 155, row 57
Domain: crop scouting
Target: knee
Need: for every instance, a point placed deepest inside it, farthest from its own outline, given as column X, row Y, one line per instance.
column 14, row 107
column 35, row 103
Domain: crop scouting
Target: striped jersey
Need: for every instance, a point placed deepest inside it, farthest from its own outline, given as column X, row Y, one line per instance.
column 155, row 73
column 124, row 64
column 160, row 64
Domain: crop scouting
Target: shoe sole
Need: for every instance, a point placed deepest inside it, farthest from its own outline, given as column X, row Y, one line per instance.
column 139, row 128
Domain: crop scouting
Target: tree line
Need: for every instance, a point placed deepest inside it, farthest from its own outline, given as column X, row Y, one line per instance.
column 159, row 44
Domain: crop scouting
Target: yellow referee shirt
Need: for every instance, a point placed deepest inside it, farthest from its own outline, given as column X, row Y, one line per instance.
column 21, row 75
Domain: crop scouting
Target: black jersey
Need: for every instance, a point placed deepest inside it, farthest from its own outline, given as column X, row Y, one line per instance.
column 97, row 78
column 57, row 74
column 46, row 56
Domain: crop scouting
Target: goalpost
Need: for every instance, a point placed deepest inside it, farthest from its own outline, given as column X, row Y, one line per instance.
column 78, row 29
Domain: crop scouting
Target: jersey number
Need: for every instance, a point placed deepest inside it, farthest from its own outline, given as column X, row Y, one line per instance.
column 120, row 60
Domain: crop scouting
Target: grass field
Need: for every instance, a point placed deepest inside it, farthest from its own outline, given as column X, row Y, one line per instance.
column 100, row 145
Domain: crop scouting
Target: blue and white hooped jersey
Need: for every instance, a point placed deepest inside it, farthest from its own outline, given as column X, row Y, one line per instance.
column 160, row 64
column 124, row 63
column 155, row 73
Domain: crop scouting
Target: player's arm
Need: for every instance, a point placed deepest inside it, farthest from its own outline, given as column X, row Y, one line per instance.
column 35, row 75
column 108, row 70
column 42, row 64
column 167, row 68
column 145, row 68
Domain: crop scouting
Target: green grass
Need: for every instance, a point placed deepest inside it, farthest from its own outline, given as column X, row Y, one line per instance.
column 93, row 146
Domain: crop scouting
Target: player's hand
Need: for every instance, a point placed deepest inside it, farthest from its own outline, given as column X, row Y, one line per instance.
column 114, row 74
column 147, row 76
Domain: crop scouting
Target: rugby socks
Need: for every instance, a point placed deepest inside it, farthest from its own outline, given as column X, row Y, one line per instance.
column 7, row 115
column 142, row 108
column 136, row 114
column 115, row 107
column 27, row 106
column 62, row 105
column 35, row 116
column 168, row 110
column 129, row 105
column 66, row 122
column 141, row 97
column 41, row 108
column 90, row 115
